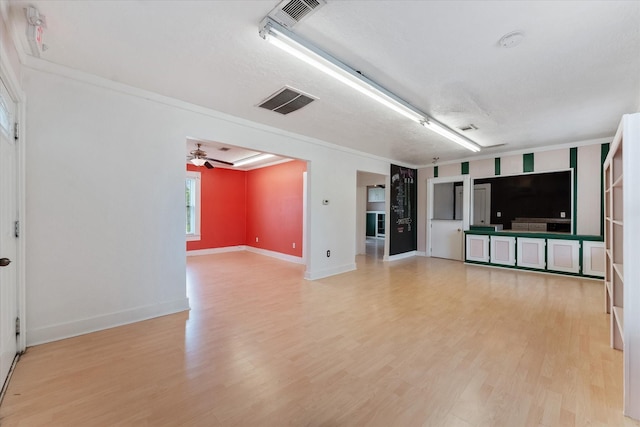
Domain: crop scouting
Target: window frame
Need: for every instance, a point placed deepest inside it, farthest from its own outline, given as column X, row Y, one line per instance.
column 196, row 177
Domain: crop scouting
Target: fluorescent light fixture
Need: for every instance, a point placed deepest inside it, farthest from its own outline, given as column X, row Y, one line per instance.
column 291, row 43
column 253, row 159
column 279, row 36
column 198, row 161
column 450, row 135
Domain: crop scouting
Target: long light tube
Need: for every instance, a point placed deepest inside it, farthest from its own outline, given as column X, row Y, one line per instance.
column 289, row 42
column 253, row 159
column 442, row 130
column 284, row 39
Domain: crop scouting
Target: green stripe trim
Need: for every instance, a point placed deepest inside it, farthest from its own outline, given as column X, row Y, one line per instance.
column 464, row 168
column 573, row 164
column 604, row 150
column 435, row 171
column 527, row 162
column 497, row 165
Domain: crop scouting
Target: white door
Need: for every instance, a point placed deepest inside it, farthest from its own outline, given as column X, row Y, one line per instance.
column 481, row 204
column 446, row 239
column 8, row 241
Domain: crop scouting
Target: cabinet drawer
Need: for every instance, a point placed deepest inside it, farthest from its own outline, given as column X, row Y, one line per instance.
column 537, row 226
column 520, row 226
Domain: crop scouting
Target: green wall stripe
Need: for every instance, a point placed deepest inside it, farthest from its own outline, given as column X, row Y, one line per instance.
column 497, row 167
column 573, row 163
column 464, row 168
column 527, row 162
column 604, row 150
column 435, row 171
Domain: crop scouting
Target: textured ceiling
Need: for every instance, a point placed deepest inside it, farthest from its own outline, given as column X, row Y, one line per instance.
column 575, row 73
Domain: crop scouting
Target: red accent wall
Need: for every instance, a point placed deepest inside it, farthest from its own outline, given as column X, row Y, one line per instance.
column 238, row 206
column 274, row 207
column 223, row 208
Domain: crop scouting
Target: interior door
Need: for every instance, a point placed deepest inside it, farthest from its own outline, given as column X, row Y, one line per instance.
column 446, row 236
column 481, row 204
column 8, row 240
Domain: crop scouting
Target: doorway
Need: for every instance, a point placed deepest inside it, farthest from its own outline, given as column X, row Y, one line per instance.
column 481, row 204
column 448, row 216
column 8, row 233
column 371, row 215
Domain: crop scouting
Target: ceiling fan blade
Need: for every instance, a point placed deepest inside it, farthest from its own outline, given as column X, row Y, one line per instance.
column 208, row 165
column 219, row 161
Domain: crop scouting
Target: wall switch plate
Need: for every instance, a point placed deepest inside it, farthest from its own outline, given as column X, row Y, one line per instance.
column 499, row 214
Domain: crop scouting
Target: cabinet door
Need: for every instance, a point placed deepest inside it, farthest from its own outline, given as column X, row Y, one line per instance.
column 477, row 248
column 380, row 225
column 531, row 253
column 593, row 258
column 503, row 250
column 563, row 255
column 371, row 224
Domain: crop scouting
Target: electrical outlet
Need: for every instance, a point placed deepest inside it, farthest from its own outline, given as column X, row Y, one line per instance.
column 498, row 214
column 563, row 215
column 328, row 253
column 256, row 240
column 294, row 245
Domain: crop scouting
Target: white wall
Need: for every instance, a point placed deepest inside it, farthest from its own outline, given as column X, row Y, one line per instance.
column 104, row 200
column 545, row 159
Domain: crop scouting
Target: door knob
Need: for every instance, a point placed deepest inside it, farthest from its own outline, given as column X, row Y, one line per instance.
column 4, row 262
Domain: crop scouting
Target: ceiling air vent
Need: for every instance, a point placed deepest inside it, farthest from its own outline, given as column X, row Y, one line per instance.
column 286, row 101
column 290, row 12
column 469, row 127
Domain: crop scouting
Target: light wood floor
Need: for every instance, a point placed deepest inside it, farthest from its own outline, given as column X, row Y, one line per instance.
column 414, row 342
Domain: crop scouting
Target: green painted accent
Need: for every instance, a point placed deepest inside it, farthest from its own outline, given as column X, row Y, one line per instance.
column 482, row 228
column 561, row 236
column 497, row 162
column 604, row 151
column 527, row 162
column 573, row 163
column 435, row 171
column 464, row 168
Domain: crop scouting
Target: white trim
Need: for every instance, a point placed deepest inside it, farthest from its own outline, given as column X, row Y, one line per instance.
column 320, row 274
column 534, row 150
column 107, row 321
column 421, row 253
column 403, row 255
column 278, row 255
column 212, row 251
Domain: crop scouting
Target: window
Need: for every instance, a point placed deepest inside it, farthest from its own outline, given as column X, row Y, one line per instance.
column 192, row 197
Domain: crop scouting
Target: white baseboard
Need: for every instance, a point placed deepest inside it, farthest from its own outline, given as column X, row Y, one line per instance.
column 314, row 275
column 421, row 253
column 212, row 251
column 401, row 256
column 273, row 254
column 105, row 321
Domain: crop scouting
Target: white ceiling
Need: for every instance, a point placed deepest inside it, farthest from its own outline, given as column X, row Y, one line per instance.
column 575, row 73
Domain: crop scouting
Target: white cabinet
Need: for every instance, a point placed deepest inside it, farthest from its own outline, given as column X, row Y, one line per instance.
column 375, row 194
column 477, row 248
column 531, row 253
column 593, row 258
column 503, row 250
column 563, row 255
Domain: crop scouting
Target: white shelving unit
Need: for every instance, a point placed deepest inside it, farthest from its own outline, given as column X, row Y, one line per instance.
column 622, row 240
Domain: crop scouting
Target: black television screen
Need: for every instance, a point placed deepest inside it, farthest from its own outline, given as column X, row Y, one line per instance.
column 534, row 195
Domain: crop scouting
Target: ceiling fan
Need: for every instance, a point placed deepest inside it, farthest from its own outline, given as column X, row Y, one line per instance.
column 199, row 158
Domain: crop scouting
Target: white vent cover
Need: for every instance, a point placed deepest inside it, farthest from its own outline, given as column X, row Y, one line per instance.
column 289, row 12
